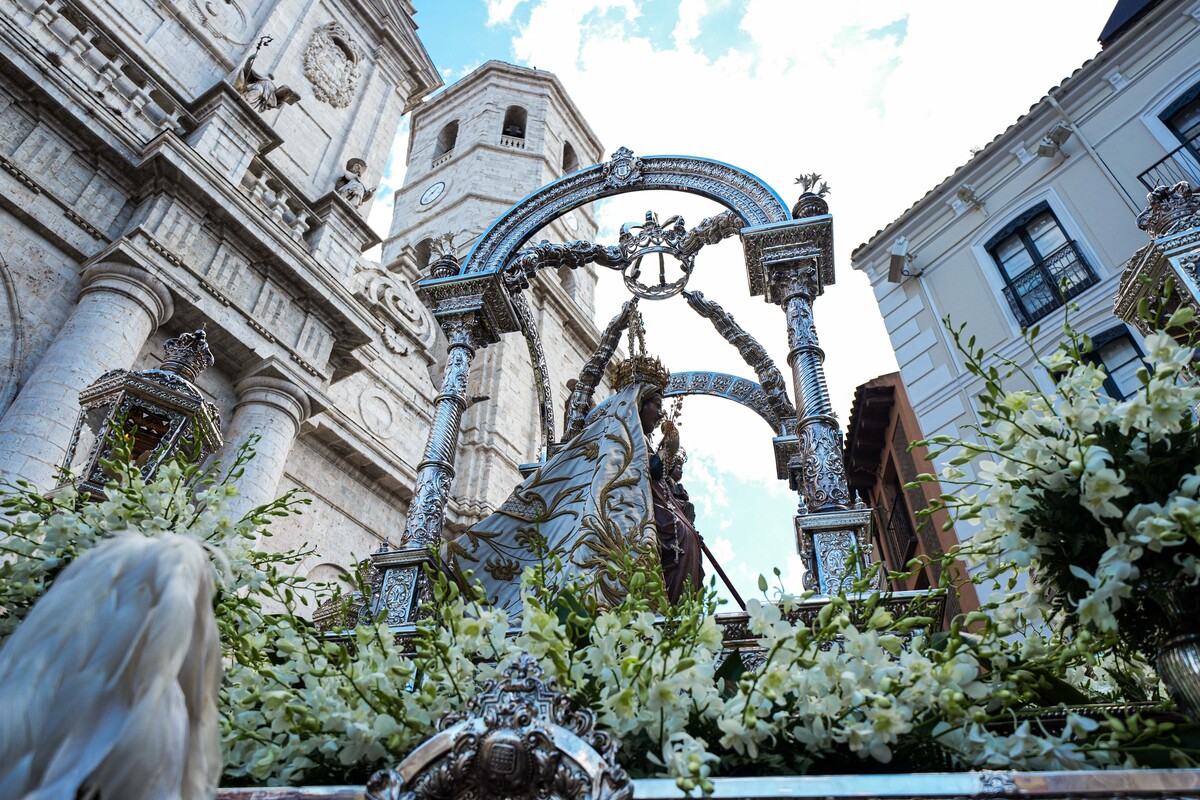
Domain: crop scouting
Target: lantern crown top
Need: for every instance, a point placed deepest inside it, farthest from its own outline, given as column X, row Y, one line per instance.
column 1169, row 210
column 188, row 355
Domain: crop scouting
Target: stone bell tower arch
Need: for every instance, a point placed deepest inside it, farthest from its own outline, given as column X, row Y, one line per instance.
column 474, row 150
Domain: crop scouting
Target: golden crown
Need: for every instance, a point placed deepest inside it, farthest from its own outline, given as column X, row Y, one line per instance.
column 640, row 367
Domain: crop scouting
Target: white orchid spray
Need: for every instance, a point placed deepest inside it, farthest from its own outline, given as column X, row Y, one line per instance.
column 1097, row 497
column 854, row 687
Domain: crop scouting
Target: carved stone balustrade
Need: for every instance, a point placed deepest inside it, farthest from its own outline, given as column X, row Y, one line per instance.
column 66, row 38
column 272, row 193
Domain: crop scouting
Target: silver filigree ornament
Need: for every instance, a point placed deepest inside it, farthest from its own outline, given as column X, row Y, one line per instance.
column 333, row 64
column 624, row 169
column 653, row 239
column 521, row 738
column 159, row 412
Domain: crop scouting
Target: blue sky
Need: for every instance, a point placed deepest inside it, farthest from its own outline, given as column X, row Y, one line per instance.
column 885, row 98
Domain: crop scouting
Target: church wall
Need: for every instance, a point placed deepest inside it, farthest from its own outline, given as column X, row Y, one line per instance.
column 191, row 44
column 198, row 208
column 38, row 286
column 228, row 214
column 348, row 518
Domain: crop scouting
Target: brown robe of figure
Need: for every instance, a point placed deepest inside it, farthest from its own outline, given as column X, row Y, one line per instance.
column 678, row 542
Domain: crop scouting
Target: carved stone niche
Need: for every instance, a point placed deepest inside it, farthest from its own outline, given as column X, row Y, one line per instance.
column 520, row 739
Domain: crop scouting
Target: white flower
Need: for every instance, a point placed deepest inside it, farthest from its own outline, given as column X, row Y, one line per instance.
column 1099, row 488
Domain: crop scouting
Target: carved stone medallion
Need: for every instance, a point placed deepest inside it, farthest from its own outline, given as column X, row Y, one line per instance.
column 333, row 64
column 224, row 19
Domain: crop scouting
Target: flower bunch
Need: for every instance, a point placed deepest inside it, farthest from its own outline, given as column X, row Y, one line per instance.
column 1097, row 497
column 829, row 685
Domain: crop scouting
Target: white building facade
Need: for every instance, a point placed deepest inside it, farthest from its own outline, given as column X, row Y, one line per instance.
column 1043, row 216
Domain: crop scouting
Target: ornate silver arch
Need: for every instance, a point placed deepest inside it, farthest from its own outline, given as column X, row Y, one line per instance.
column 730, row 387
column 739, row 191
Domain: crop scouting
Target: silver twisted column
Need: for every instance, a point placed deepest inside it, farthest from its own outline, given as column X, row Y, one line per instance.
column 821, row 474
column 426, row 512
column 404, row 586
column 791, row 262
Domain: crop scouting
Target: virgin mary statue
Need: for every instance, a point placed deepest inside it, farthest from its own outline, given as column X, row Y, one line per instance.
column 591, row 504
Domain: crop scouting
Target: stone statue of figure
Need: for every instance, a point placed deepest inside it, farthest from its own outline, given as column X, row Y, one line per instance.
column 351, row 187
column 260, row 90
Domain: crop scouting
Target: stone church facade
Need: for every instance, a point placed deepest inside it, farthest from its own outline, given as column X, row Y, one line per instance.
column 166, row 167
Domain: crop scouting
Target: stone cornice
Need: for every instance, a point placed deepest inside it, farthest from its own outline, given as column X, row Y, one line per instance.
column 222, row 93
column 400, row 31
column 313, row 279
column 333, row 204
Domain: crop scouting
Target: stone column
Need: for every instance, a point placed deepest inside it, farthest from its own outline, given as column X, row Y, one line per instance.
column 272, row 409
column 119, row 307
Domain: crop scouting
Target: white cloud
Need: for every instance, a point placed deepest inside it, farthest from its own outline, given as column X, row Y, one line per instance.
column 501, row 11
column 722, row 549
column 883, row 101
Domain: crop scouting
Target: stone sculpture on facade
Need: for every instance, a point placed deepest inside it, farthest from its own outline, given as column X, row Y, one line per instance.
column 259, row 90
column 333, row 64
column 350, row 186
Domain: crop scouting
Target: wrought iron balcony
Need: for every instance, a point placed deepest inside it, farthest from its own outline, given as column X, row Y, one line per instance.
column 1181, row 164
column 1049, row 284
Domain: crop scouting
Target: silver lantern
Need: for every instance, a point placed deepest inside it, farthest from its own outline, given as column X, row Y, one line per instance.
column 160, row 410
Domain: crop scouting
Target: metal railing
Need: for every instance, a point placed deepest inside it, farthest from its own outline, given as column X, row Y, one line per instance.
column 1049, row 284
column 1181, row 164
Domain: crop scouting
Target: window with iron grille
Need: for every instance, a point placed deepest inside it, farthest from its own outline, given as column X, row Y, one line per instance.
column 1119, row 354
column 1182, row 118
column 1042, row 268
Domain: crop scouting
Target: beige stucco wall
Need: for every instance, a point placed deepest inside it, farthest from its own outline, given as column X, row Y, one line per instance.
column 1112, row 105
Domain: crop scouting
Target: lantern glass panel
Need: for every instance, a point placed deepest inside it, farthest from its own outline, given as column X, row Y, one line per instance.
column 148, row 427
column 92, row 426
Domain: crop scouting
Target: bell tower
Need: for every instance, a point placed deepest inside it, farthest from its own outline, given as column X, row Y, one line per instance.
column 474, row 150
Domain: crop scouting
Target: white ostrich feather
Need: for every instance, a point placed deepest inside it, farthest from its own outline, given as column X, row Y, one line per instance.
column 108, row 689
